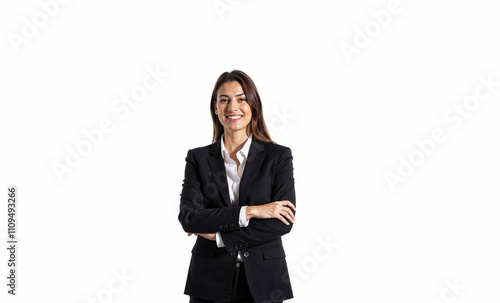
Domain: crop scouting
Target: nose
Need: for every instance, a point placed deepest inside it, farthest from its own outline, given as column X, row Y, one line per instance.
column 233, row 106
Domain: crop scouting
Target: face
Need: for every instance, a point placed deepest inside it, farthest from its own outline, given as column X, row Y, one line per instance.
column 232, row 108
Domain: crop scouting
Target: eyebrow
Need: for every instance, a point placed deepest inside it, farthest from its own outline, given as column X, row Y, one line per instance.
column 228, row 96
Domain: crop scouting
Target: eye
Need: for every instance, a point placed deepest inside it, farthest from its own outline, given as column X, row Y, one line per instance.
column 242, row 99
column 222, row 100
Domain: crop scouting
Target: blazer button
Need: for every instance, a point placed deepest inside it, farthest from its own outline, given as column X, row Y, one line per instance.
column 231, row 225
column 246, row 254
column 225, row 226
column 246, row 243
column 221, row 227
column 236, row 246
column 232, row 254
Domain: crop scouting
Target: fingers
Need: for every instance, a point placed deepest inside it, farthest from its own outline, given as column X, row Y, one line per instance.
column 286, row 212
column 289, row 204
column 289, row 215
column 281, row 210
column 283, row 220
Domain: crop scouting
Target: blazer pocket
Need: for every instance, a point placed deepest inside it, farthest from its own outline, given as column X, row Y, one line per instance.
column 204, row 250
column 273, row 253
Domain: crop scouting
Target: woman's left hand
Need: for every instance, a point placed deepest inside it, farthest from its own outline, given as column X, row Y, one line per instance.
column 209, row 236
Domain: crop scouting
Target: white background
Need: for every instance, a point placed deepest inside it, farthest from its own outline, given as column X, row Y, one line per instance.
column 349, row 120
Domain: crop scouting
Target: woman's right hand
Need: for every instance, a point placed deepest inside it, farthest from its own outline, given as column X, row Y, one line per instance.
column 278, row 210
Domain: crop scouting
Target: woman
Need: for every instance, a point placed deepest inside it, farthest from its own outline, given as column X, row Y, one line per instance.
column 238, row 198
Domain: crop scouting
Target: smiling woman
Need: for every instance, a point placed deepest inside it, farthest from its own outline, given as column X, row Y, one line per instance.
column 231, row 107
column 238, row 197
column 237, row 86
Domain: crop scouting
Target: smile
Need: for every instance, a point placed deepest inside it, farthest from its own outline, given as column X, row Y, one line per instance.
column 234, row 118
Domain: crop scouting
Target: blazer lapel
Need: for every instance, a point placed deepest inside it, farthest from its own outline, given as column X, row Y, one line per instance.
column 216, row 163
column 251, row 168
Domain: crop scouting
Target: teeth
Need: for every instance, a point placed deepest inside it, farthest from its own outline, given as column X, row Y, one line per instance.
column 234, row 117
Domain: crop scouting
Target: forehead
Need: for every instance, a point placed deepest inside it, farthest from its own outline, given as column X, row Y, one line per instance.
column 230, row 88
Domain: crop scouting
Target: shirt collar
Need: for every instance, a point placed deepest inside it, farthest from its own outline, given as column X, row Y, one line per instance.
column 244, row 149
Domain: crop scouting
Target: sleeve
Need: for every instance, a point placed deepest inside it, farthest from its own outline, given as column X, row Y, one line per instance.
column 243, row 217
column 243, row 223
column 218, row 240
column 264, row 230
column 193, row 215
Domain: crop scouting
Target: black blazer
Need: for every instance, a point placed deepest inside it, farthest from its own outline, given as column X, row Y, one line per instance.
column 205, row 208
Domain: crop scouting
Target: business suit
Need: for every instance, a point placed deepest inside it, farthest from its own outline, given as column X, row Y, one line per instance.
column 205, row 208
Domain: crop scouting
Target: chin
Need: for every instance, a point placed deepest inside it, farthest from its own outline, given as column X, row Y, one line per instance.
column 236, row 128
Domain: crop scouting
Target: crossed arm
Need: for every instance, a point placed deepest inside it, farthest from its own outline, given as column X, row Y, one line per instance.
column 267, row 221
column 281, row 210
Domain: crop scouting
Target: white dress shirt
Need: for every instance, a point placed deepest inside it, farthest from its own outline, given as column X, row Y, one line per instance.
column 234, row 174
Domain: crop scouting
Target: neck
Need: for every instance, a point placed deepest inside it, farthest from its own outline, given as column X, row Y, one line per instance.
column 234, row 141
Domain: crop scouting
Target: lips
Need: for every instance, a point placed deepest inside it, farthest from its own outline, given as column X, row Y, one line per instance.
column 234, row 117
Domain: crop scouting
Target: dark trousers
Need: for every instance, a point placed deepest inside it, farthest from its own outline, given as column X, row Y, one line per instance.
column 238, row 293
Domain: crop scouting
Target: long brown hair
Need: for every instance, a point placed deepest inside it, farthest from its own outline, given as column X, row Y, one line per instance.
column 257, row 126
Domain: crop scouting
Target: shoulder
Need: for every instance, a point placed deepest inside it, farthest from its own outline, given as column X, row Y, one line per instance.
column 200, row 152
column 202, row 149
column 280, row 156
column 277, row 150
column 278, row 147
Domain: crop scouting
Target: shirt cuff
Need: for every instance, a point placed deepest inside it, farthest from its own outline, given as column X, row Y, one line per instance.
column 243, row 217
column 218, row 240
